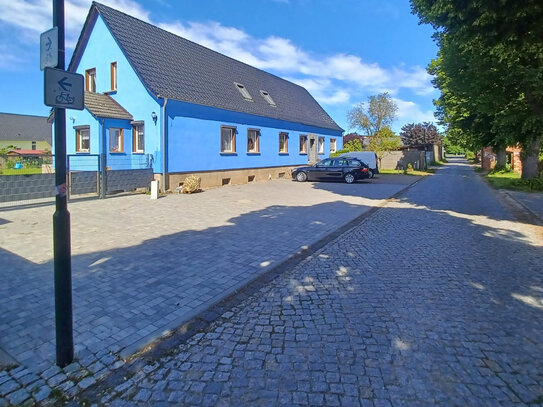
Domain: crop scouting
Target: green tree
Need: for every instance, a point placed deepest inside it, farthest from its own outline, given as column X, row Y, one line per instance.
column 380, row 111
column 489, row 71
column 5, row 150
column 383, row 141
column 350, row 146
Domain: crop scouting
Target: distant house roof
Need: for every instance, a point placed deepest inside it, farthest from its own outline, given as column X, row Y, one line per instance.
column 172, row 67
column 20, row 127
column 101, row 105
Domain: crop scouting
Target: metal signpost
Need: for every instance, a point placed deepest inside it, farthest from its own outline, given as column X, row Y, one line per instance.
column 62, row 90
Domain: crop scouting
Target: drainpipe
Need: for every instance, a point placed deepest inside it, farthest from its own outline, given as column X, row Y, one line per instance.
column 164, row 147
column 103, row 162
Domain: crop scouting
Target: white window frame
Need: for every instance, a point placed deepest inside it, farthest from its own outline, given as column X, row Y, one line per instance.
column 231, row 136
column 333, row 145
column 267, row 98
column 80, row 137
column 320, row 145
column 113, row 75
column 138, row 138
column 303, row 146
column 116, row 134
column 254, row 136
column 90, row 80
column 284, row 136
column 244, row 92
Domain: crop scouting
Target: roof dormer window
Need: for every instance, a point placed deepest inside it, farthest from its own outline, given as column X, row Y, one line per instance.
column 268, row 98
column 244, row 92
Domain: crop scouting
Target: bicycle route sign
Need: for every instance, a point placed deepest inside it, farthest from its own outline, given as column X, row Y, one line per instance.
column 49, row 48
column 63, row 89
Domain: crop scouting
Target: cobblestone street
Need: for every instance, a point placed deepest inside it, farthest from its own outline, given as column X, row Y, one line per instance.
column 435, row 299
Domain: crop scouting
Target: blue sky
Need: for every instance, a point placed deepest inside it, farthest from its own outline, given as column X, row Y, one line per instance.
column 341, row 51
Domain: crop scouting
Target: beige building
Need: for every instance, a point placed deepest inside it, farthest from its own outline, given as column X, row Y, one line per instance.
column 25, row 132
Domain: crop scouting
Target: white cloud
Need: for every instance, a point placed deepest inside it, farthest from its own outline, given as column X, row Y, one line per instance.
column 410, row 112
column 32, row 17
column 336, row 79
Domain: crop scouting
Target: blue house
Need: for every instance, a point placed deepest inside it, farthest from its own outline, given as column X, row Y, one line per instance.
column 184, row 109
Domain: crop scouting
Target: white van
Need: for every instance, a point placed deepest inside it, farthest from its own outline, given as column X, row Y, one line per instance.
column 367, row 157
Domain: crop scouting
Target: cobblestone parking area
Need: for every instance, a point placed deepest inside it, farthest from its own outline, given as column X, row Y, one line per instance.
column 436, row 299
column 141, row 268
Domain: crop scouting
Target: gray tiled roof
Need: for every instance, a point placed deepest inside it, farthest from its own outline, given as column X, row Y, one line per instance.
column 19, row 127
column 173, row 67
column 101, row 105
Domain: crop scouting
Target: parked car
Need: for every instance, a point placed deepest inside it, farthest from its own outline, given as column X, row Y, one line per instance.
column 333, row 169
column 367, row 157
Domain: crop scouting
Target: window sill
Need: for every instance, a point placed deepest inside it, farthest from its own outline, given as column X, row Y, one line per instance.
column 82, row 152
column 283, row 153
column 117, row 152
column 138, row 153
column 111, row 92
column 229, row 153
column 303, row 153
column 253, row 153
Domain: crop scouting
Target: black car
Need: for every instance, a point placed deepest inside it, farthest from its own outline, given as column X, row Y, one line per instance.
column 333, row 169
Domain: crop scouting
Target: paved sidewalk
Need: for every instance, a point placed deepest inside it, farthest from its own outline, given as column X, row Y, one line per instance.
column 141, row 268
column 434, row 300
column 533, row 201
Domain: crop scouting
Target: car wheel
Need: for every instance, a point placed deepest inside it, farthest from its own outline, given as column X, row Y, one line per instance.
column 370, row 173
column 349, row 178
column 301, row 176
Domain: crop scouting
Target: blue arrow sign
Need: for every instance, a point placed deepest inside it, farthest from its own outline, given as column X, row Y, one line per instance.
column 63, row 83
column 63, row 89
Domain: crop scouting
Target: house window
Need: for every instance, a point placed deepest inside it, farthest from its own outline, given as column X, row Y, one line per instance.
column 90, row 80
column 82, row 139
column 138, row 138
column 34, row 145
column 283, row 142
column 333, row 145
column 244, row 92
column 228, row 139
column 113, row 76
column 115, row 140
column 321, row 145
column 267, row 98
column 303, row 144
column 253, row 141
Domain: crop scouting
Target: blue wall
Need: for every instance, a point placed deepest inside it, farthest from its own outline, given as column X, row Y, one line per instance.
column 194, row 139
column 193, row 131
column 100, row 51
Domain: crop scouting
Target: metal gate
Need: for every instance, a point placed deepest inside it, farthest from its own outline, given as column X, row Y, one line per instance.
column 25, row 181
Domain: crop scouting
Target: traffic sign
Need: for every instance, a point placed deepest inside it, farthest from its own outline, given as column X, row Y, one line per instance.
column 49, row 48
column 63, row 89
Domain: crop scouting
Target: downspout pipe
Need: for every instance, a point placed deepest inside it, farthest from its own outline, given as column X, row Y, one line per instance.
column 103, row 161
column 164, row 147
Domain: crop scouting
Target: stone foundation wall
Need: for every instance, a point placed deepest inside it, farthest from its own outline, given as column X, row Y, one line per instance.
column 212, row 179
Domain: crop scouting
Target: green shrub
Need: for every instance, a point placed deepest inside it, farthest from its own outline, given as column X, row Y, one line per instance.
column 350, row 146
column 532, row 184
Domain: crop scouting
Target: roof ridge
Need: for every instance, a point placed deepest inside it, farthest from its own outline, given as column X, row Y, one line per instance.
column 26, row 115
column 171, row 66
column 195, row 43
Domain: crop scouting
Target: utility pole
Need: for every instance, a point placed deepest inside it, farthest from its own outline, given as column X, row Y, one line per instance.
column 61, row 220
